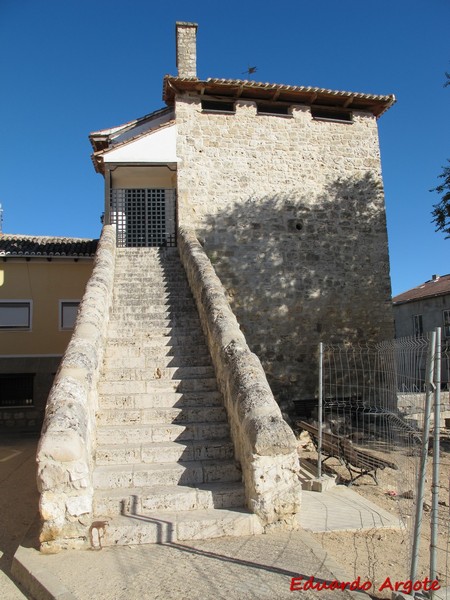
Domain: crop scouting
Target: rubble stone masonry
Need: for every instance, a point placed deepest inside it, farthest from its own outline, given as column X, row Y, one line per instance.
column 290, row 211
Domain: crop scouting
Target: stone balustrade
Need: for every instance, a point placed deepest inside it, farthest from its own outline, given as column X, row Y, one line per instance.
column 67, row 445
column 264, row 443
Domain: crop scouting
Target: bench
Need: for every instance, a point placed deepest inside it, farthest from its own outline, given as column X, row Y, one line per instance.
column 358, row 462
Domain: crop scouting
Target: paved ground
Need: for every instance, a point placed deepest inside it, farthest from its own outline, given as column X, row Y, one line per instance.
column 257, row 567
column 18, row 504
column 342, row 509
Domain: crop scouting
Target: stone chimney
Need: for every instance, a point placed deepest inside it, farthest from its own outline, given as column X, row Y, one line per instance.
column 186, row 34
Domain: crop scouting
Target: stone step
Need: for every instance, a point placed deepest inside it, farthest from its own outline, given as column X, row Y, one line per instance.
column 129, row 297
column 118, row 322
column 140, row 334
column 176, row 298
column 158, row 374
column 153, row 353
column 163, row 452
column 180, row 473
column 157, row 386
column 153, row 341
column 161, row 400
column 145, row 501
column 165, row 527
column 141, row 361
column 146, row 273
column 138, row 434
column 143, row 264
column 142, row 286
column 148, row 416
column 161, row 310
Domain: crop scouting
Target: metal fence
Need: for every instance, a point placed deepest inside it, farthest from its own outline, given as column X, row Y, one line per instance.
column 385, row 407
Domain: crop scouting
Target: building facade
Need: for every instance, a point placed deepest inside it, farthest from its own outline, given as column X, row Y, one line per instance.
column 421, row 310
column 283, row 187
column 42, row 281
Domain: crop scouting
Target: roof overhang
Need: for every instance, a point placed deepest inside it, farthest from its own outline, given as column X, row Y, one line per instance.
column 121, row 142
column 274, row 92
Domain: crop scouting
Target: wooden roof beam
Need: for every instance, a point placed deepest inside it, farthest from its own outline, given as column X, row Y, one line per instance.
column 276, row 95
column 348, row 102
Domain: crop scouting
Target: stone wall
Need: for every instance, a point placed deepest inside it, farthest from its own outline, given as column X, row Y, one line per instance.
column 67, row 445
column 264, row 443
column 290, row 211
column 186, row 34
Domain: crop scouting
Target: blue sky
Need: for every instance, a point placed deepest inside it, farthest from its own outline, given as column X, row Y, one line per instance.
column 69, row 67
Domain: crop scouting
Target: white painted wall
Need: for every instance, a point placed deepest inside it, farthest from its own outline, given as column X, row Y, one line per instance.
column 156, row 147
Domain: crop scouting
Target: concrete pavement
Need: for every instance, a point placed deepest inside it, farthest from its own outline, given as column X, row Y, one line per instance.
column 18, row 504
column 244, row 568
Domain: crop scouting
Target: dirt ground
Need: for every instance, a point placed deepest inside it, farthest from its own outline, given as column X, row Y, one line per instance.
column 380, row 553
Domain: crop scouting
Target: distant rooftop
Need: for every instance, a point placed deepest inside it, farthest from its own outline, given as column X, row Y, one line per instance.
column 29, row 245
column 438, row 285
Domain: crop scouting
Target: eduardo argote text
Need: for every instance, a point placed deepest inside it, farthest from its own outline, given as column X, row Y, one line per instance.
column 299, row 584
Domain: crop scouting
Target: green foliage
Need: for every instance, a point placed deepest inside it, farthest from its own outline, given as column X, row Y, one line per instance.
column 441, row 211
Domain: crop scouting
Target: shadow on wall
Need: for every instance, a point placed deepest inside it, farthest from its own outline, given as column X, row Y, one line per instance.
column 302, row 269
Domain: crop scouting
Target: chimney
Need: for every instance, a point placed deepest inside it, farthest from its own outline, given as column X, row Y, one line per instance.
column 186, row 35
column 435, row 277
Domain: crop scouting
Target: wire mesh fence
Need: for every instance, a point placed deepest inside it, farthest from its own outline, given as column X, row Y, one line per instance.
column 372, row 428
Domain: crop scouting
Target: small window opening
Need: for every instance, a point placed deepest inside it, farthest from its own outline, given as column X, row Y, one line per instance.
column 218, row 106
column 446, row 319
column 272, row 109
column 418, row 325
column 15, row 314
column 331, row 114
column 16, row 389
column 68, row 314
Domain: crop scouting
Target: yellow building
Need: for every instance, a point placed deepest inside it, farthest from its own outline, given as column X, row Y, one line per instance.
column 42, row 280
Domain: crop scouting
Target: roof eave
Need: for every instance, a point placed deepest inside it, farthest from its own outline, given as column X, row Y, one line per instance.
column 426, row 297
column 251, row 90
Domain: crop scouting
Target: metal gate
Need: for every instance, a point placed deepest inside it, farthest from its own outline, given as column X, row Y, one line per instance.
column 144, row 217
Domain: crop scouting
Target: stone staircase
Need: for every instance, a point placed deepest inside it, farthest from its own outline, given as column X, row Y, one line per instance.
column 165, row 467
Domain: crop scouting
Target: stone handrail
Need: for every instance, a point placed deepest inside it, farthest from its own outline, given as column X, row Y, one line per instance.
column 264, row 443
column 66, row 448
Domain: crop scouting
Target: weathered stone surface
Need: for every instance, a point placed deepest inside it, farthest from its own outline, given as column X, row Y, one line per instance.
column 79, row 505
column 65, row 452
column 61, row 446
column 264, row 443
column 290, row 210
column 186, row 49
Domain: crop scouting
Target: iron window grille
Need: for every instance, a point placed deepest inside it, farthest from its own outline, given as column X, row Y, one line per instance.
column 144, row 217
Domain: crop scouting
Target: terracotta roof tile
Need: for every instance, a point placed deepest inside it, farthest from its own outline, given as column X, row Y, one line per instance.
column 438, row 286
column 28, row 245
column 377, row 104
